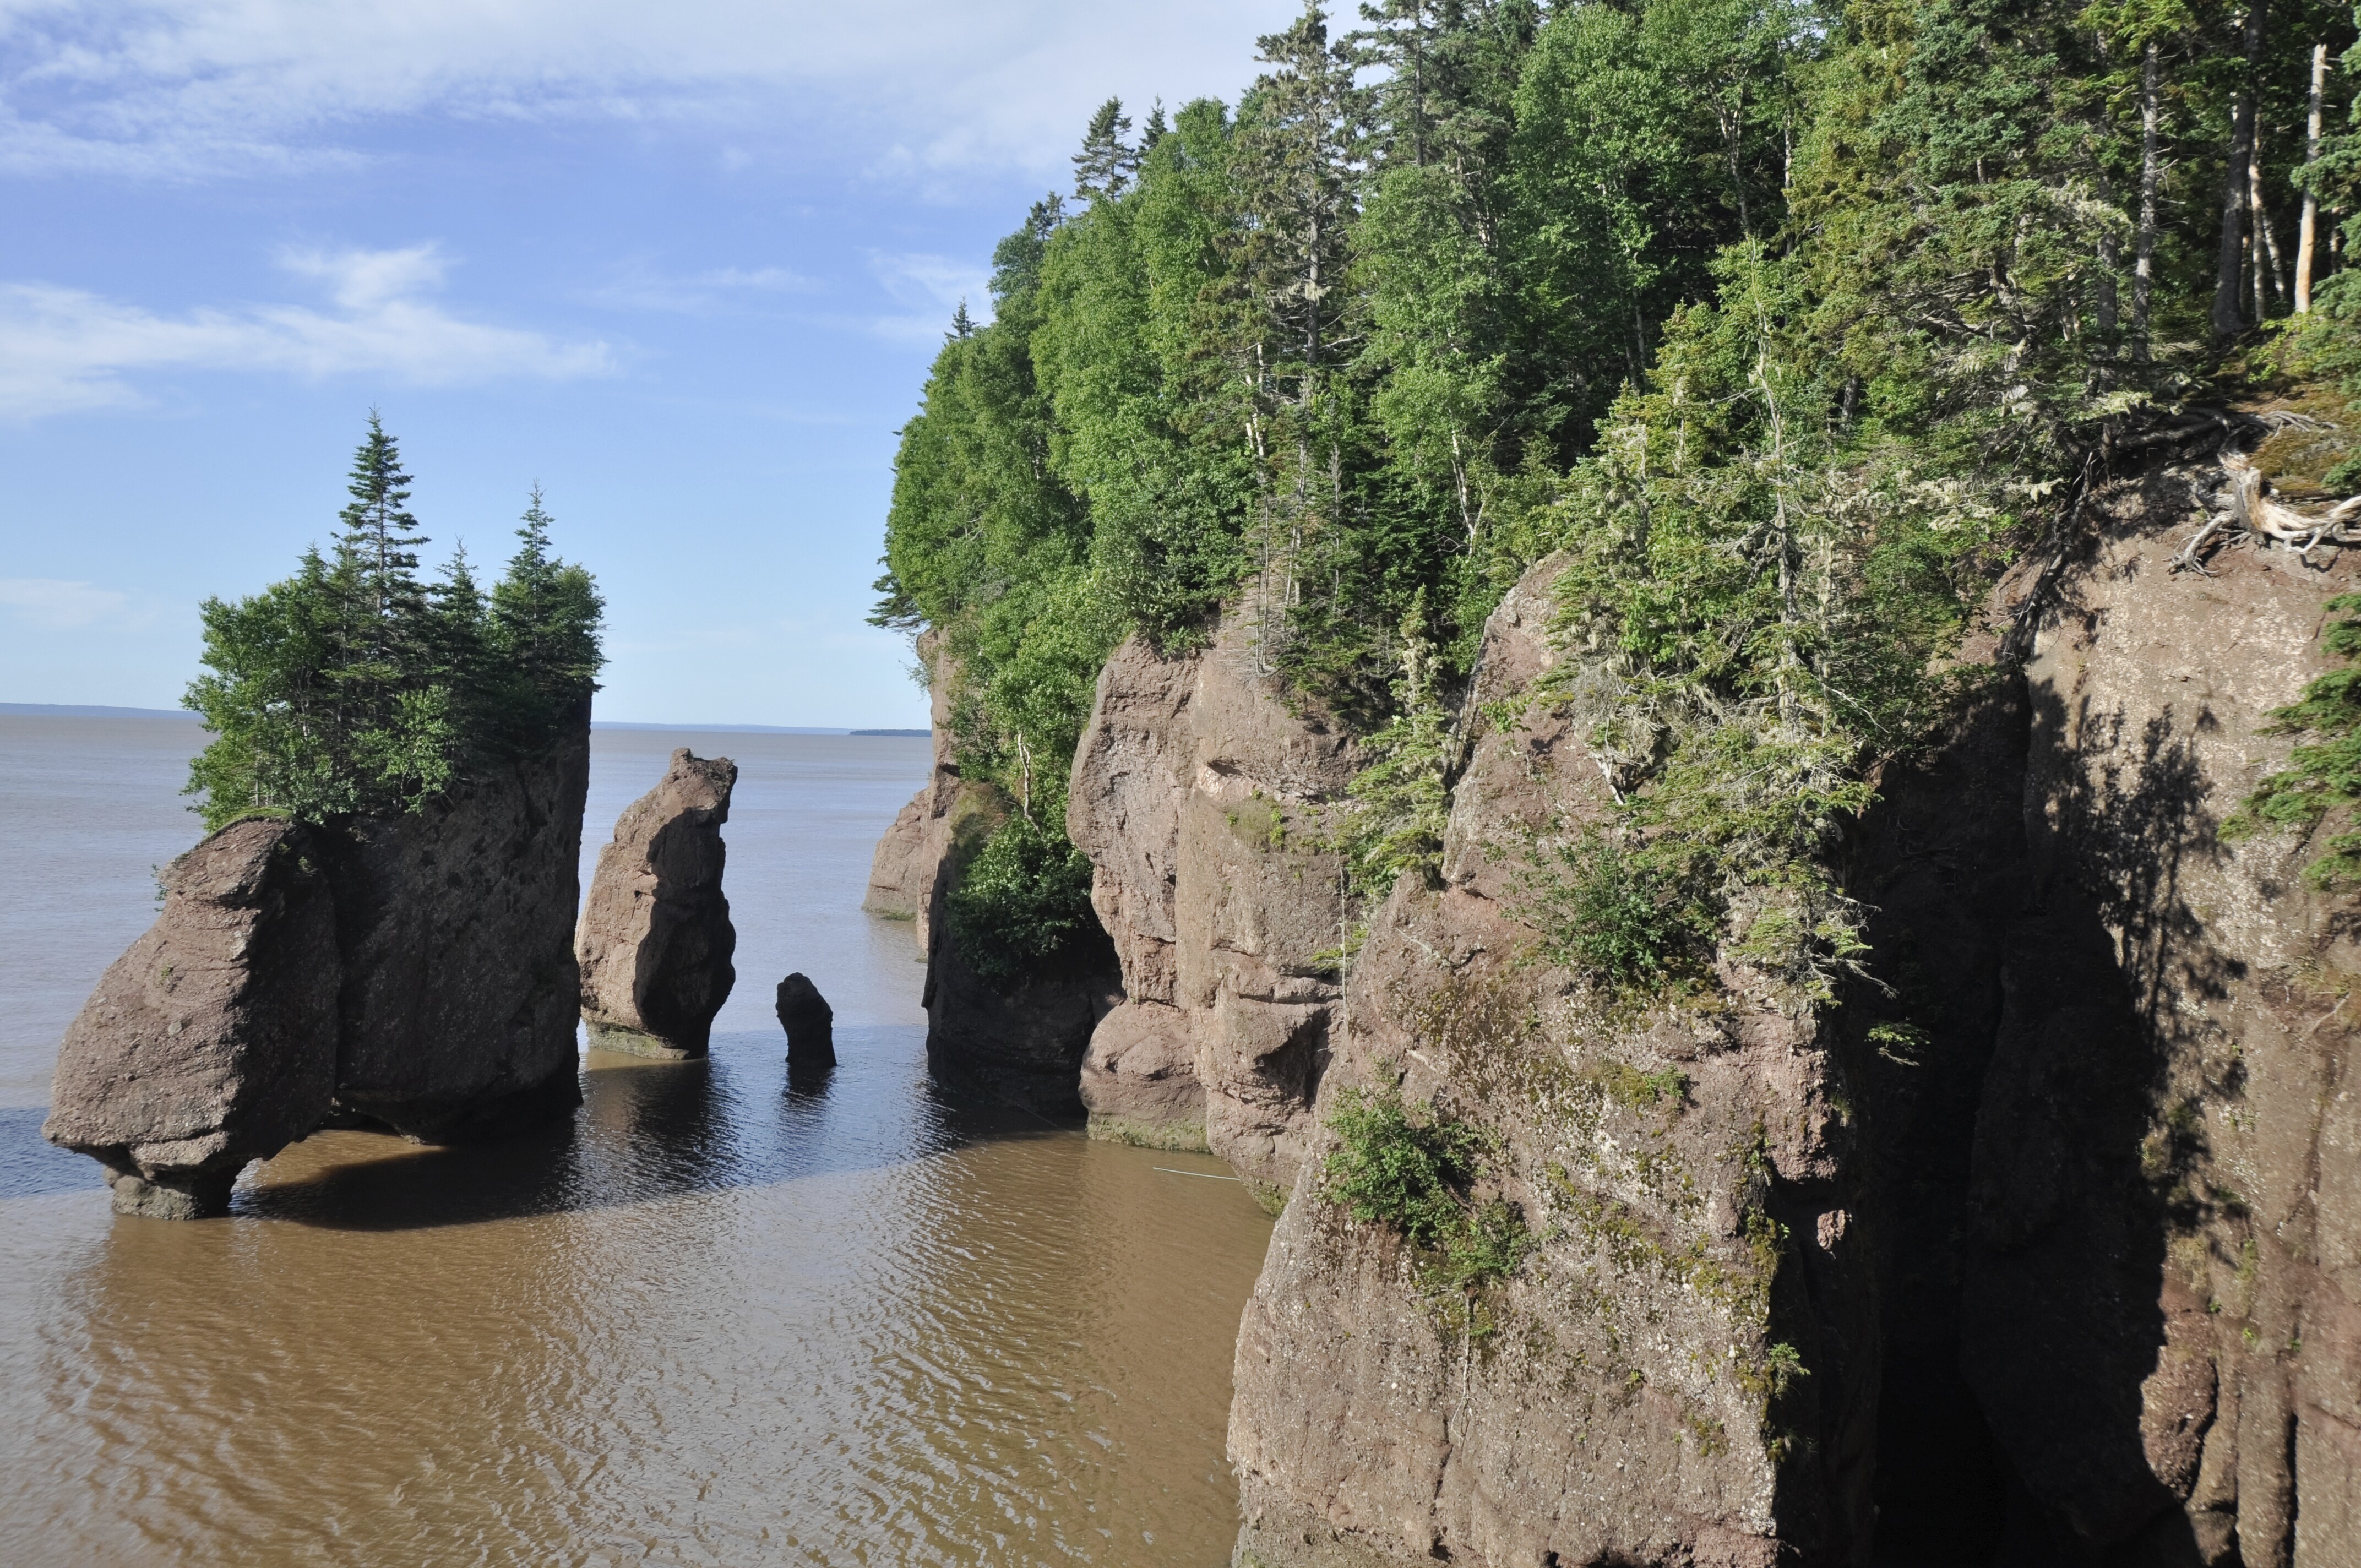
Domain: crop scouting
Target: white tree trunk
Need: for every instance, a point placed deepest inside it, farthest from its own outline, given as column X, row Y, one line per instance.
column 2306, row 231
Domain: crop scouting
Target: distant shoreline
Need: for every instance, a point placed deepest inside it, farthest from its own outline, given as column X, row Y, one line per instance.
column 94, row 710
column 90, row 710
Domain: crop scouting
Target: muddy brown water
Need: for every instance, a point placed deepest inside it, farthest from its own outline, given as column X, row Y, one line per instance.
column 719, row 1317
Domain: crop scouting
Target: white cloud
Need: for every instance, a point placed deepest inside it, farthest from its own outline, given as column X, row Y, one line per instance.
column 639, row 288
column 366, row 280
column 63, row 350
column 46, row 601
column 181, row 88
column 931, row 287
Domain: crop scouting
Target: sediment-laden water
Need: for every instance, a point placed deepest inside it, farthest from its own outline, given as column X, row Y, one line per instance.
column 718, row 1319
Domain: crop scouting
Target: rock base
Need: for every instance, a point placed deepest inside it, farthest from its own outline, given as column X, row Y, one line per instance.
column 633, row 1043
column 1279, row 1539
column 1181, row 1138
column 199, row 1196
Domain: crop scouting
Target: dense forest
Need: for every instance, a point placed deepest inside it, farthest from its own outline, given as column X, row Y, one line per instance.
column 1789, row 325
column 357, row 687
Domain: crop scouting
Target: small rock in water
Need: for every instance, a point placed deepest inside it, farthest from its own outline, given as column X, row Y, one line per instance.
column 810, row 1021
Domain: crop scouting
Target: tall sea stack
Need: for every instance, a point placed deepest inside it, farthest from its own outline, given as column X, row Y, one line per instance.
column 655, row 941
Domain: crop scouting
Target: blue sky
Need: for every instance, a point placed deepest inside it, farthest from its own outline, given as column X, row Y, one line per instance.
column 682, row 265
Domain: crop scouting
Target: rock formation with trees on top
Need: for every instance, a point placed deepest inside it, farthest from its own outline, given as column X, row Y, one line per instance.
column 379, row 927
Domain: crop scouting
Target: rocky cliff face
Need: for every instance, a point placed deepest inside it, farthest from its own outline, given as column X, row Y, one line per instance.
column 1632, row 1391
column 1201, row 800
column 897, row 872
column 656, row 940
column 1123, row 809
column 457, row 926
column 2044, row 1252
column 2133, row 1107
column 417, row 973
column 2042, row 1246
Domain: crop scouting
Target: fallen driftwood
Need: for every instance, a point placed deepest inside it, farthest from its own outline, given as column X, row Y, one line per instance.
column 2255, row 512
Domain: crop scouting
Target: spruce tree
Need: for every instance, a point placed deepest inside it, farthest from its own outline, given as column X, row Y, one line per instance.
column 544, row 624
column 1302, row 146
column 379, row 528
column 1105, row 166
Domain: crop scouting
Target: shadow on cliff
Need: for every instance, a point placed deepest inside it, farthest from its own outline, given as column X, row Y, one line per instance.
column 648, row 1131
column 2011, row 1095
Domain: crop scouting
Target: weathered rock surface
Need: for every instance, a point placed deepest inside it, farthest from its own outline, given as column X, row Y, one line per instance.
column 1123, row 809
column 810, row 1023
column 415, row 972
column 457, row 926
column 211, row 1041
column 2147, row 1138
column 1258, row 905
column 2048, row 1252
column 656, row 940
column 1201, row 800
column 1688, row 1184
column 898, row 875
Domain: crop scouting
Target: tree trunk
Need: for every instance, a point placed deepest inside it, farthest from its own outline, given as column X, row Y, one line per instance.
column 2306, row 229
column 2269, row 268
column 2151, row 175
column 2227, row 322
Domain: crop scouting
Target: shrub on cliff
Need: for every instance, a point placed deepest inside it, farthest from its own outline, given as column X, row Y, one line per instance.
column 2324, row 774
column 1409, row 1169
column 1023, row 904
column 355, row 687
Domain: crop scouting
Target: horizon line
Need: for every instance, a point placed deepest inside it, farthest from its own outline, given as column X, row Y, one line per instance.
column 107, row 710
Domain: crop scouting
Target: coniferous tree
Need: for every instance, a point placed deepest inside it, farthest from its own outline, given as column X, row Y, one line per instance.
column 544, row 624
column 1106, row 165
column 378, row 530
column 352, row 689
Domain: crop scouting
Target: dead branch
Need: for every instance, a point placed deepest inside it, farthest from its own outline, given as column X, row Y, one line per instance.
column 2255, row 512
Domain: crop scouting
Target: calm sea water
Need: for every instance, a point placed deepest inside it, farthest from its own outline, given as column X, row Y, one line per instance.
column 715, row 1320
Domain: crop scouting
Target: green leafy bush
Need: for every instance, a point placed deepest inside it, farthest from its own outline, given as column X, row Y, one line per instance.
column 2325, row 774
column 1622, row 917
column 1023, row 904
column 1409, row 1169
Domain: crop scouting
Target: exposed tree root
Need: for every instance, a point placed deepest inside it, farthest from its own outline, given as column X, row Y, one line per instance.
column 2256, row 514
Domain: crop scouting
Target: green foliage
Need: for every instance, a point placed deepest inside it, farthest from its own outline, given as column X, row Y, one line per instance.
column 1022, row 906
column 2324, row 775
column 1787, row 324
column 1401, row 800
column 1614, row 912
column 355, row 687
column 1409, row 1169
